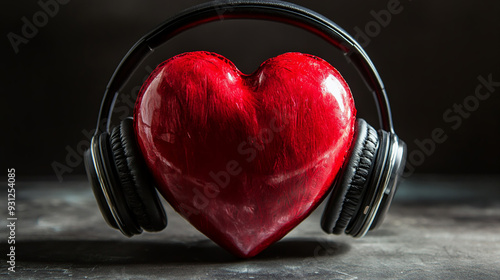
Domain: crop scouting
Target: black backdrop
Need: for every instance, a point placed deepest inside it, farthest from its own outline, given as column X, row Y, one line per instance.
column 432, row 56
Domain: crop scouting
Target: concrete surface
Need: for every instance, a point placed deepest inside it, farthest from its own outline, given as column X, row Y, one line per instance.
column 438, row 228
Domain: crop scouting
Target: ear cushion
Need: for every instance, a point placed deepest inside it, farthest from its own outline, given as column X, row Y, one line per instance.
column 136, row 182
column 350, row 186
column 111, row 185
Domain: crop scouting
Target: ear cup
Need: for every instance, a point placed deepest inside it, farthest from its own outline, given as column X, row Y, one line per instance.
column 111, row 188
column 350, row 186
column 135, row 180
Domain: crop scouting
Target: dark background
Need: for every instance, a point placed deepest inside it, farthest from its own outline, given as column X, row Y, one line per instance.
column 429, row 55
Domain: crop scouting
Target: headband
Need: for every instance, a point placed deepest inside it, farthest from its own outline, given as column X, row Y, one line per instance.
column 278, row 11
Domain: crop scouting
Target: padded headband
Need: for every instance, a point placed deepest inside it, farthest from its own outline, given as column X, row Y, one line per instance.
column 278, row 11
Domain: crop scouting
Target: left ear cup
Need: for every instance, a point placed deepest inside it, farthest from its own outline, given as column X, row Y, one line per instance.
column 135, row 180
column 351, row 185
column 110, row 187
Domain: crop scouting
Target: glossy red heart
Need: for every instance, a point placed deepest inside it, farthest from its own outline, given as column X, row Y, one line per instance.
column 244, row 158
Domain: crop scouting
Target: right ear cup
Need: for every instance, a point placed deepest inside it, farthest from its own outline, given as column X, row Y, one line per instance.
column 135, row 180
column 351, row 185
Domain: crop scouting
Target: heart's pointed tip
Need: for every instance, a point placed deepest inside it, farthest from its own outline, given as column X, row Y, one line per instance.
column 246, row 248
column 247, row 253
column 243, row 246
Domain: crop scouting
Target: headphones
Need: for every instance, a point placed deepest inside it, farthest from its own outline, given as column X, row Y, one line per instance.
column 362, row 191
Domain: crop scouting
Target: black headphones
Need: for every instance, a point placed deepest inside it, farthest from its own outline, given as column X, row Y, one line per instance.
column 363, row 190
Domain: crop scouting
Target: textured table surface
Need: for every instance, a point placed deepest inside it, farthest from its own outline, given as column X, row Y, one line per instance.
column 438, row 228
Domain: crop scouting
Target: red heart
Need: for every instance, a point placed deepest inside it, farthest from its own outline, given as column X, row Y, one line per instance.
column 244, row 158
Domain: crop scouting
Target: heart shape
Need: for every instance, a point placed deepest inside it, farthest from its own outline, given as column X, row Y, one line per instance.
column 244, row 158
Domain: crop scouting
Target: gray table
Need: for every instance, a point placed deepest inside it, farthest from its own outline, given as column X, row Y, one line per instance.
column 438, row 228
